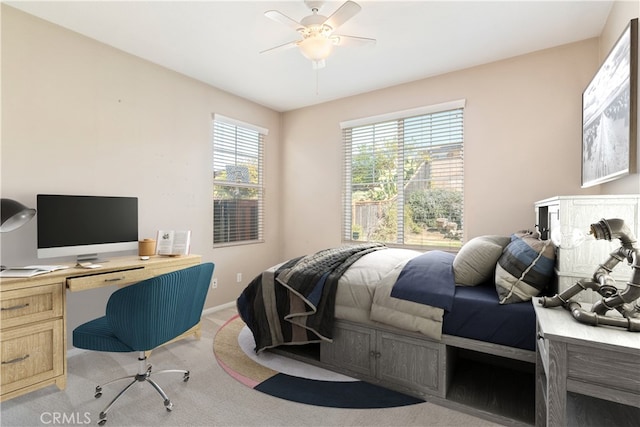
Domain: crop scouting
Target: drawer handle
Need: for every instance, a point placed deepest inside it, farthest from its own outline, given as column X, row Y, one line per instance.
column 16, row 360
column 115, row 279
column 15, row 307
column 375, row 354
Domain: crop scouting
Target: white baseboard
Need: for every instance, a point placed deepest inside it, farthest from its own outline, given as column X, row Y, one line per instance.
column 75, row 351
column 218, row 308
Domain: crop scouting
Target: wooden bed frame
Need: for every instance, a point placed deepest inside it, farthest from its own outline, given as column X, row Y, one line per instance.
column 491, row 381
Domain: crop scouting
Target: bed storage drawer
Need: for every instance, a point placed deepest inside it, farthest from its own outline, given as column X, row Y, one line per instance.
column 412, row 363
column 352, row 350
column 396, row 360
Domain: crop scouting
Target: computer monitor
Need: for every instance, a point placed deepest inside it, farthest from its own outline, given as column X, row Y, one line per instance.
column 85, row 226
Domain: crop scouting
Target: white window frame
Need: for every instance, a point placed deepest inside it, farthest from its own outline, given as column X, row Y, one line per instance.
column 230, row 153
column 350, row 126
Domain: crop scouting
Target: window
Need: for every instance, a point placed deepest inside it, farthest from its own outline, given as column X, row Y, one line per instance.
column 237, row 181
column 403, row 181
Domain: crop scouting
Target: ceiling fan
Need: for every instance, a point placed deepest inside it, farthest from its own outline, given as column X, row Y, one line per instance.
column 317, row 31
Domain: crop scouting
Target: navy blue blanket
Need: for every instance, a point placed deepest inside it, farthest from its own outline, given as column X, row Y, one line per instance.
column 427, row 279
column 479, row 315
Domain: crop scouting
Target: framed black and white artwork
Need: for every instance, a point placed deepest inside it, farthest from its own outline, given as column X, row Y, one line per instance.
column 609, row 114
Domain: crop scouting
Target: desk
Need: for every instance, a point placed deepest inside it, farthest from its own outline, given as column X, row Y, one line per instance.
column 33, row 334
column 596, row 361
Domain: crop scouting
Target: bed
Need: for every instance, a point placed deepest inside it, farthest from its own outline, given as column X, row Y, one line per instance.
column 372, row 309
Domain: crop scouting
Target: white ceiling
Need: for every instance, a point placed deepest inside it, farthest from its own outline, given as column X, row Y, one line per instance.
column 218, row 42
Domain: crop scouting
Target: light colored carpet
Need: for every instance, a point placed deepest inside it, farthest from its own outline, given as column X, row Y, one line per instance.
column 209, row 398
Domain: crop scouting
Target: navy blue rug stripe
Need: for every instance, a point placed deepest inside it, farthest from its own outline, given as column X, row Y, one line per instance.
column 352, row 395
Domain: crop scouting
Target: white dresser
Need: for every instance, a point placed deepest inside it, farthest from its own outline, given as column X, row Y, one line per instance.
column 568, row 212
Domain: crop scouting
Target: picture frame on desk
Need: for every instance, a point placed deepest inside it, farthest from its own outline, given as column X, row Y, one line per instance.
column 610, row 112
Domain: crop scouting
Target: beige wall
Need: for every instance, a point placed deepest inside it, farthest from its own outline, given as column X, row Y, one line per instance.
column 522, row 143
column 79, row 117
column 523, row 139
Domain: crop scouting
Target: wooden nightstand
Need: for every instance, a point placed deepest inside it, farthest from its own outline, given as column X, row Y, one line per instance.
column 597, row 361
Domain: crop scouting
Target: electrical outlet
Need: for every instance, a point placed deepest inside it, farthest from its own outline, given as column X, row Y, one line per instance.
column 214, row 283
column 239, row 277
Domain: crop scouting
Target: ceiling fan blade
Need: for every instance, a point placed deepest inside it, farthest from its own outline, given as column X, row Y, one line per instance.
column 284, row 19
column 343, row 14
column 342, row 40
column 285, row 46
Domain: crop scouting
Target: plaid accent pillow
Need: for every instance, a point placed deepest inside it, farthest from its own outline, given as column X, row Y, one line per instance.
column 525, row 268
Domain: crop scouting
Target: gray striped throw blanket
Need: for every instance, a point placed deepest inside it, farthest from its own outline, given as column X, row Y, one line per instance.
column 294, row 303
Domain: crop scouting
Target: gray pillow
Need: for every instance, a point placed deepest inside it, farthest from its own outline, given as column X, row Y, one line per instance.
column 476, row 261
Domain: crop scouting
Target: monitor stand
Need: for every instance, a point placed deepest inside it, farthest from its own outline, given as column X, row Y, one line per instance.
column 85, row 260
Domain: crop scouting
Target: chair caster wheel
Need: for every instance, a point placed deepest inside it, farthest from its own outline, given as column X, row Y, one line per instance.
column 168, row 405
column 186, row 377
column 103, row 419
column 102, row 422
column 98, row 392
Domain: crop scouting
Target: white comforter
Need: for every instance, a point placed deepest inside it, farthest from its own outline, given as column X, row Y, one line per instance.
column 364, row 295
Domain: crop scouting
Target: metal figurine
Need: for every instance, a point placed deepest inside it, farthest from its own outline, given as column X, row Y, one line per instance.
column 624, row 301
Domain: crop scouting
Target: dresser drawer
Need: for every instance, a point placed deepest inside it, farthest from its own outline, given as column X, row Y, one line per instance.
column 603, row 369
column 31, row 354
column 29, row 305
column 120, row 278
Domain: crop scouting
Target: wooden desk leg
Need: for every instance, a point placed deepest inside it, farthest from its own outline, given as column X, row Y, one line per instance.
column 557, row 385
column 61, row 382
column 197, row 332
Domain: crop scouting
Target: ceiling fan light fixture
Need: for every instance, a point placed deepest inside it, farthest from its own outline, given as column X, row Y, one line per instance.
column 316, row 47
column 316, row 31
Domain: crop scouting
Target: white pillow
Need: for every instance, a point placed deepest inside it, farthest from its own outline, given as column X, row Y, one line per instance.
column 475, row 263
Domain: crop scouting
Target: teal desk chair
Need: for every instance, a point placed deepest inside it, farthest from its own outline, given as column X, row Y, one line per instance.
column 142, row 316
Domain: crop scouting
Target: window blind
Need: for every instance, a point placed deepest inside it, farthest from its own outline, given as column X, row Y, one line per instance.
column 238, row 214
column 404, row 178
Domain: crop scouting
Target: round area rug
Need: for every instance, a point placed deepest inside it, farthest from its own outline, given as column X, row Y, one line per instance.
column 293, row 380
